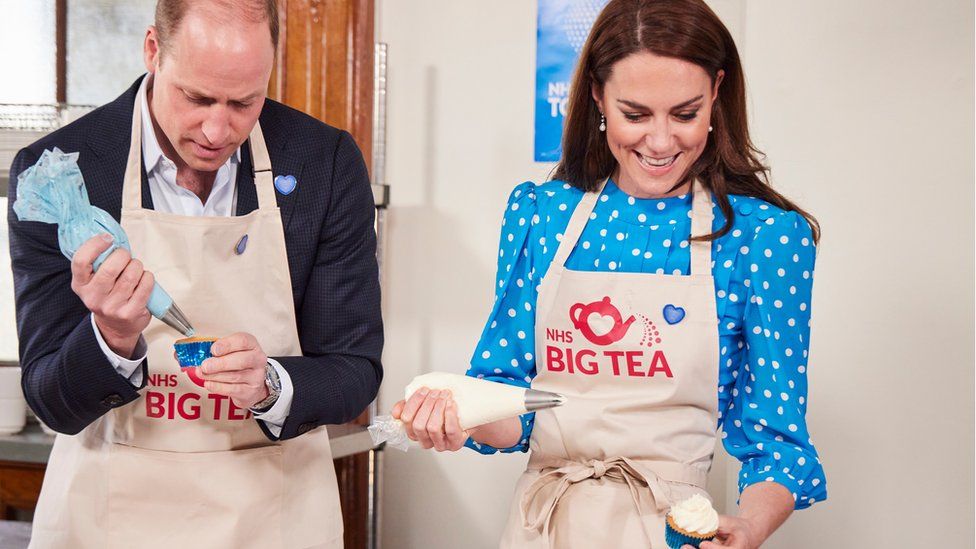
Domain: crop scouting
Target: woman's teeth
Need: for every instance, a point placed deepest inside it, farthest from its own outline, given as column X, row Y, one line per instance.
column 656, row 162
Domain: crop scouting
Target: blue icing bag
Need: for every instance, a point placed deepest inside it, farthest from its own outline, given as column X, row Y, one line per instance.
column 53, row 191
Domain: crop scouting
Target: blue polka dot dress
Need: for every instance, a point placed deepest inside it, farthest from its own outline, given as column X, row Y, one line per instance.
column 763, row 271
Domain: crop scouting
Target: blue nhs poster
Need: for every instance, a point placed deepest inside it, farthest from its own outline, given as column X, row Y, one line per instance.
column 563, row 28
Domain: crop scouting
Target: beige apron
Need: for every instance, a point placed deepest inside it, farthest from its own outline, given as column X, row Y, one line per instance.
column 636, row 355
column 180, row 467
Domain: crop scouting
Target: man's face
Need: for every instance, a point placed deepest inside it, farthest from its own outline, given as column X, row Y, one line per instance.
column 208, row 86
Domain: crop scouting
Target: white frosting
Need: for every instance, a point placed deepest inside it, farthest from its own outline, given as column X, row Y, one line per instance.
column 478, row 401
column 695, row 515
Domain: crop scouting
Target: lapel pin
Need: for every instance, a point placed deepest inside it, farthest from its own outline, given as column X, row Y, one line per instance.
column 285, row 184
column 673, row 315
column 241, row 245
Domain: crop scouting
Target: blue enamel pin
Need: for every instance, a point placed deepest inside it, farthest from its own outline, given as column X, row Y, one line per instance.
column 241, row 245
column 673, row 315
column 285, row 184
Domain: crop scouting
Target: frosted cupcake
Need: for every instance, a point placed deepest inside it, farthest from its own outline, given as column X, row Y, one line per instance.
column 192, row 351
column 691, row 522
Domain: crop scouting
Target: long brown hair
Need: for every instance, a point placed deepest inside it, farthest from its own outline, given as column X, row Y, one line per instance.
column 682, row 29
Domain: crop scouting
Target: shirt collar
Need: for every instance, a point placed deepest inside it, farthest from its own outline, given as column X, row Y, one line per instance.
column 152, row 153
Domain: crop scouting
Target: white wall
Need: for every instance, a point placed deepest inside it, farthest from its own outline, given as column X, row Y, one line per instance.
column 460, row 119
column 865, row 110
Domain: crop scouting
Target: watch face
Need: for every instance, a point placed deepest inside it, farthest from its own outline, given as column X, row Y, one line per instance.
column 272, row 380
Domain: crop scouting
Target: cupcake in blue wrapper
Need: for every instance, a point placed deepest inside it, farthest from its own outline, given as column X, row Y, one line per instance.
column 691, row 522
column 192, row 351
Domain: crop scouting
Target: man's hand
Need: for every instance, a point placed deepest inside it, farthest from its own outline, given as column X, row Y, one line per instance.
column 237, row 370
column 116, row 295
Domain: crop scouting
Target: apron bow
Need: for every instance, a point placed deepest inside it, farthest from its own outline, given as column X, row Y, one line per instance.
column 540, row 499
column 599, row 468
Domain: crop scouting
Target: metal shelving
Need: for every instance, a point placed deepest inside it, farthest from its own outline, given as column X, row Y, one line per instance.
column 22, row 124
column 381, row 197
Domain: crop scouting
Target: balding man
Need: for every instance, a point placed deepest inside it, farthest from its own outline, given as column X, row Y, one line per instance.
column 258, row 220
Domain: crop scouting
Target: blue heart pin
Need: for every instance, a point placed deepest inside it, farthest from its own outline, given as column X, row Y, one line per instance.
column 285, row 184
column 673, row 315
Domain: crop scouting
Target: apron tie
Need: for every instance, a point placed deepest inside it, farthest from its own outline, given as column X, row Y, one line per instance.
column 599, row 468
column 539, row 501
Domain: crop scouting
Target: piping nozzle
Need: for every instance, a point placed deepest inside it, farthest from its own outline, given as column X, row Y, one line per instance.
column 541, row 400
column 174, row 318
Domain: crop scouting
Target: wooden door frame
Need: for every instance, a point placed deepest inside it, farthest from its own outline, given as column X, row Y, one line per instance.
column 305, row 50
column 324, row 67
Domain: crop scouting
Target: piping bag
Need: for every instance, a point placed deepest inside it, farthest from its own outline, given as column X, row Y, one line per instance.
column 53, row 191
column 479, row 401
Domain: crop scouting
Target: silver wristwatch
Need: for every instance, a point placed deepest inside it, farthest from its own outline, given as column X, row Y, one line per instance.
column 274, row 390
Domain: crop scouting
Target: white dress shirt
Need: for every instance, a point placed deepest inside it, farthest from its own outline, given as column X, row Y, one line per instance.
column 169, row 197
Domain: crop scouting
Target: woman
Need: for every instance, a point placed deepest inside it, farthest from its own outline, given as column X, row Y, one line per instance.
column 611, row 278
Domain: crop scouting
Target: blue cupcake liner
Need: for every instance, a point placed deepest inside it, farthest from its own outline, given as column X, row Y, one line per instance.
column 676, row 539
column 192, row 353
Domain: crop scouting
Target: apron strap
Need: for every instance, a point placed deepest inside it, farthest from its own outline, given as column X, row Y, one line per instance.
column 701, row 224
column 263, row 179
column 643, row 478
column 132, row 182
column 576, row 224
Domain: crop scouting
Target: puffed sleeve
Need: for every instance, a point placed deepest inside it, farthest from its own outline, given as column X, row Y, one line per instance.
column 505, row 352
column 765, row 425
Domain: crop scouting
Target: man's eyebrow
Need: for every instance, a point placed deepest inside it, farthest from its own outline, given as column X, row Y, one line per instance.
column 201, row 95
column 636, row 105
column 251, row 97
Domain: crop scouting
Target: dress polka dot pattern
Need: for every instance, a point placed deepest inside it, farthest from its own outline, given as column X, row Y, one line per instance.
column 763, row 271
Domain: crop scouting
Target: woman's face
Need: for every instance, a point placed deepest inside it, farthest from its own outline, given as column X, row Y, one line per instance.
column 658, row 110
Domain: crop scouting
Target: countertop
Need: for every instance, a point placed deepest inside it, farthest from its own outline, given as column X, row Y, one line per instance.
column 14, row 535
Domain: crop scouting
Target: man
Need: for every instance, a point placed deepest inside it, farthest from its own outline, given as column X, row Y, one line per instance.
column 235, row 452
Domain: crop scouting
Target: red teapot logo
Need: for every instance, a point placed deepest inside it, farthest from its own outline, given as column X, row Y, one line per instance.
column 605, row 327
column 194, row 376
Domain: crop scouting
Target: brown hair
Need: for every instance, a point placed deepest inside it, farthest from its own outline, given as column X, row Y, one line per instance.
column 682, row 29
column 170, row 13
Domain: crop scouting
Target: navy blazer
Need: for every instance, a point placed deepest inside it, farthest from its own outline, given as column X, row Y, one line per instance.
column 331, row 247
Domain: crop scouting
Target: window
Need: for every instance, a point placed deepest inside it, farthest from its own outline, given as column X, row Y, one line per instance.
column 103, row 57
column 28, row 28
column 104, row 52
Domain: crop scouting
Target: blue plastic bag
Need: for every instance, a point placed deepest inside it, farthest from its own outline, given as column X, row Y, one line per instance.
column 53, row 191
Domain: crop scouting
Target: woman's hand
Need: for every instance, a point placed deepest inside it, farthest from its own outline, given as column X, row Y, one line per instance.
column 763, row 507
column 430, row 418
column 734, row 532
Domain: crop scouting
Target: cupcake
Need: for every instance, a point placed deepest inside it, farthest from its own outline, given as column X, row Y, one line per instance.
column 192, row 351
column 691, row 522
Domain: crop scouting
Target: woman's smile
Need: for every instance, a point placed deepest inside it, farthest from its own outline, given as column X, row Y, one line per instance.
column 656, row 165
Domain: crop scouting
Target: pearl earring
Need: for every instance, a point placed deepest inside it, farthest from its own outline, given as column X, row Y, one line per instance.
column 710, row 129
column 603, row 123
